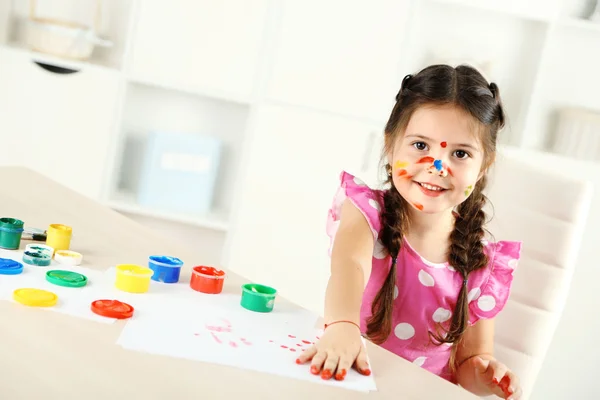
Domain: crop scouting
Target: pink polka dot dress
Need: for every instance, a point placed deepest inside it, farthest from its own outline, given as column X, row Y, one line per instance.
column 425, row 292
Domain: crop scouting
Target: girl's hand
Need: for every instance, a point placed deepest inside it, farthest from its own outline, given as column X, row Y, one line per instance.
column 498, row 378
column 339, row 348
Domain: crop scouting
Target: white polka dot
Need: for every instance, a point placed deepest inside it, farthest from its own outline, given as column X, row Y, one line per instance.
column 426, row 279
column 442, row 315
column 473, row 294
column 374, row 204
column 395, row 292
column 404, row 331
column 513, row 263
column 486, row 303
column 451, row 268
column 379, row 251
column 432, row 264
column 358, row 181
column 420, row 361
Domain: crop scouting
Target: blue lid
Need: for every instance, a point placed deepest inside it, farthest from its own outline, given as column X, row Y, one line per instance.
column 10, row 267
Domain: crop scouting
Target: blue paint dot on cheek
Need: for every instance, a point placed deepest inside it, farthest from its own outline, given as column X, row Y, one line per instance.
column 438, row 164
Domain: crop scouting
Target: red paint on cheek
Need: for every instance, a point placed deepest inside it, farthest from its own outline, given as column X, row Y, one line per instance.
column 402, row 172
column 443, row 144
column 449, row 171
column 425, row 160
column 418, row 206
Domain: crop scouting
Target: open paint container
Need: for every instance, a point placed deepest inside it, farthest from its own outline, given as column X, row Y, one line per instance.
column 40, row 248
column 59, row 236
column 133, row 278
column 207, row 279
column 11, row 230
column 37, row 258
column 166, row 269
column 259, row 298
column 68, row 257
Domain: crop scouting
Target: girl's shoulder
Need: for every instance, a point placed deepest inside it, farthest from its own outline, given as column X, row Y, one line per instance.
column 367, row 200
column 490, row 287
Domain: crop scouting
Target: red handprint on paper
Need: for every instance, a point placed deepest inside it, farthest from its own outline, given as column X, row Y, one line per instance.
column 223, row 333
column 294, row 344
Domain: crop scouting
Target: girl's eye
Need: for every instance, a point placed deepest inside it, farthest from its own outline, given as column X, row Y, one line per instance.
column 420, row 145
column 461, row 154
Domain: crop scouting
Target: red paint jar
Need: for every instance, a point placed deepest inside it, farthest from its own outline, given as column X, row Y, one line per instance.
column 207, row 279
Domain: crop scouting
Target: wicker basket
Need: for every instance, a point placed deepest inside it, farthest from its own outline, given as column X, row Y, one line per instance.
column 63, row 38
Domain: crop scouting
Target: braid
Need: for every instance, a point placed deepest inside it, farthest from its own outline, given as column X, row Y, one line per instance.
column 394, row 221
column 466, row 255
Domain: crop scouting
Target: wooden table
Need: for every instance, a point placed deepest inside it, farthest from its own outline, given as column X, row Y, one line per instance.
column 47, row 355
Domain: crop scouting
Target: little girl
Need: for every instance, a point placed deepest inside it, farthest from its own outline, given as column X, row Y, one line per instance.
column 410, row 268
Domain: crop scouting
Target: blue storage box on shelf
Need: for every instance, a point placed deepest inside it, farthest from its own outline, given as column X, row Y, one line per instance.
column 179, row 172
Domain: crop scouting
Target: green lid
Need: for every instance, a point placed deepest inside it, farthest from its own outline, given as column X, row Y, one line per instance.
column 66, row 278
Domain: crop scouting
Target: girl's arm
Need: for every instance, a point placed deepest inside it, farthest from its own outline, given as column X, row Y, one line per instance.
column 340, row 346
column 350, row 266
column 478, row 371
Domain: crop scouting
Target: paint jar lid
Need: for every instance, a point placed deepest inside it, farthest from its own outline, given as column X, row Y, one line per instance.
column 112, row 309
column 66, row 278
column 10, row 267
column 35, row 297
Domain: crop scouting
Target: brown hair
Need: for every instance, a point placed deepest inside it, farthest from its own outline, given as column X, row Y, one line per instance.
column 439, row 85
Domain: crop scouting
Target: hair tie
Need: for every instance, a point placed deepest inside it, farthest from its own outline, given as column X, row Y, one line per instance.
column 465, row 281
column 394, row 260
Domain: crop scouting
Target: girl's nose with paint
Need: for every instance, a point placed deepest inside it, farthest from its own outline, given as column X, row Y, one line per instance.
column 438, row 167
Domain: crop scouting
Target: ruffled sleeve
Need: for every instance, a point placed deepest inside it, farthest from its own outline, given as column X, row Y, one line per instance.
column 368, row 201
column 491, row 287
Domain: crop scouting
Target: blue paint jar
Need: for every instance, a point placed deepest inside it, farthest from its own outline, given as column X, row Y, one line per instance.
column 166, row 269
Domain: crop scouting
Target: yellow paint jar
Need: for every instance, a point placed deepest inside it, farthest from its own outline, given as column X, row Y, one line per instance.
column 58, row 236
column 133, row 278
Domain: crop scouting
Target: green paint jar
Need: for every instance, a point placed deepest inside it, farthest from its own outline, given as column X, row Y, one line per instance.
column 11, row 230
column 259, row 298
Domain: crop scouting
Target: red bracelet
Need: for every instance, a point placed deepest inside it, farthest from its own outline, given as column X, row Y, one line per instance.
column 342, row 320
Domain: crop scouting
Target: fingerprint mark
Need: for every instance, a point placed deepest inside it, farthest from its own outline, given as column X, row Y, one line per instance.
column 305, row 342
column 292, row 336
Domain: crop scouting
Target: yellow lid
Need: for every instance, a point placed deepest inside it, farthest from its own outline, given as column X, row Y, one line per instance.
column 35, row 297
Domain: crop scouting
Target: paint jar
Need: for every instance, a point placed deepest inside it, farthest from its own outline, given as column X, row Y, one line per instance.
column 59, row 236
column 259, row 298
column 133, row 278
column 11, row 230
column 166, row 269
column 207, row 279
column 37, row 258
column 40, row 248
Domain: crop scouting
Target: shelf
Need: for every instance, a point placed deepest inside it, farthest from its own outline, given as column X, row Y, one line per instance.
column 209, row 93
column 579, row 23
column 55, row 60
column 519, row 9
column 125, row 202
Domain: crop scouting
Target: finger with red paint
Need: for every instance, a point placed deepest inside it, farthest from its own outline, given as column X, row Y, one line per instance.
column 497, row 378
column 339, row 348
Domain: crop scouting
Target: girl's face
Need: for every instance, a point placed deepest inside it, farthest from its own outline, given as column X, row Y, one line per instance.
column 437, row 161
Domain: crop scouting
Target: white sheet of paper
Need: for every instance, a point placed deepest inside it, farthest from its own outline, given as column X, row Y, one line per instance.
column 265, row 342
column 69, row 301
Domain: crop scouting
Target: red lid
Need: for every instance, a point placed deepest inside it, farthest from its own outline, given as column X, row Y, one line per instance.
column 112, row 309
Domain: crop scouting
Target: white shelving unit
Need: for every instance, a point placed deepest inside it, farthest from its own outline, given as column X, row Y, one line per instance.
column 266, row 77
